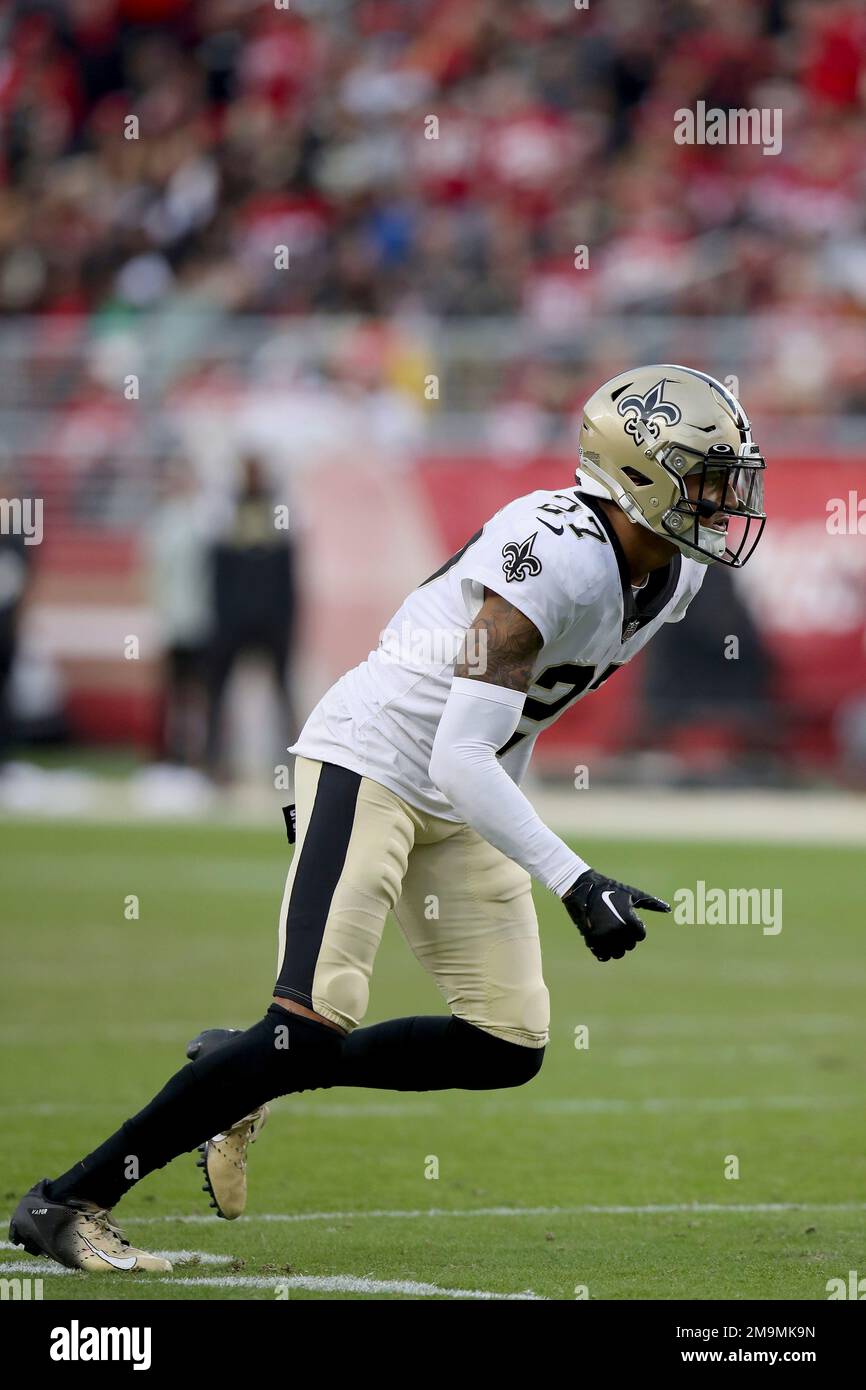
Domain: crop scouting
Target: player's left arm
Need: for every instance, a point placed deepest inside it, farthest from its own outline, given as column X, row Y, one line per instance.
column 483, row 709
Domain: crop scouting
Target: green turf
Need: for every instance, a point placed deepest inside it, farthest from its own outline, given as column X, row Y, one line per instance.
column 706, row 1042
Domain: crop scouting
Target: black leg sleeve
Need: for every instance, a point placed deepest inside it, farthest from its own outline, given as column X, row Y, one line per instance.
column 283, row 1052
column 433, row 1054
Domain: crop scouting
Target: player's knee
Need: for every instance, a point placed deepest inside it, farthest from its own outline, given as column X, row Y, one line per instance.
column 524, row 1062
column 512, row 1063
column 341, row 995
column 533, row 1015
column 493, row 1063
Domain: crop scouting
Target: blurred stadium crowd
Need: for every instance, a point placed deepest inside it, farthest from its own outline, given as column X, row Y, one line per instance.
column 430, row 167
column 305, row 126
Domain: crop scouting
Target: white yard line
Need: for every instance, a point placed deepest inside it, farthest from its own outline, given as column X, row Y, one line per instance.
column 646, row 1209
column 321, row 1283
column 347, row 1283
column 366, row 1285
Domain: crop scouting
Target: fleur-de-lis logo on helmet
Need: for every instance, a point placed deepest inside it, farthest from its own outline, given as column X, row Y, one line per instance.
column 519, row 559
column 641, row 412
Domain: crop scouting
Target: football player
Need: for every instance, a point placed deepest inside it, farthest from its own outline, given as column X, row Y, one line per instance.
column 408, row 800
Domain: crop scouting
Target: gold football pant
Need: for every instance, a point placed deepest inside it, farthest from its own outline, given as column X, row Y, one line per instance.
column 465, row 909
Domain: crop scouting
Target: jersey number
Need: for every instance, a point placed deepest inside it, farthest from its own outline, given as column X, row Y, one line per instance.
column 579, row 679
column 591, row 529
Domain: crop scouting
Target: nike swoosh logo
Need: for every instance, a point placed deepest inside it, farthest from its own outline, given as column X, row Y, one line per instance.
column 606, row 899
column 127, row 1262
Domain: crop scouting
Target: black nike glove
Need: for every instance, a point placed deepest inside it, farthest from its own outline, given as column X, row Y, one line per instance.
column 603, row 911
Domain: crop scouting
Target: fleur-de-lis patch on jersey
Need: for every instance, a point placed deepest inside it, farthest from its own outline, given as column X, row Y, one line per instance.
column 519, row 559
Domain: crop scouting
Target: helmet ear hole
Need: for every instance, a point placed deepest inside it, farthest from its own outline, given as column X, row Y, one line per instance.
column 640, row 479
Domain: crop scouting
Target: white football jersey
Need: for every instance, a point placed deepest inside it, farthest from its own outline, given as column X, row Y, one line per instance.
column 556, row 557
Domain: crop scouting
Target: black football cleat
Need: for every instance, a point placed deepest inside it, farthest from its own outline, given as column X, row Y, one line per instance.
column 78, row 1235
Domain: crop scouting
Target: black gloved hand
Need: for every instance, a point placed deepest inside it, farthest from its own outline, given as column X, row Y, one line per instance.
column 603, row 911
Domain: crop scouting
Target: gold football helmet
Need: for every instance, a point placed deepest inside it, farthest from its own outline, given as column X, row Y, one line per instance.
column 646, row 432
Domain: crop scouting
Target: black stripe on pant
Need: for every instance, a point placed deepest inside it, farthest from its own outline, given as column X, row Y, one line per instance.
column 322, row 856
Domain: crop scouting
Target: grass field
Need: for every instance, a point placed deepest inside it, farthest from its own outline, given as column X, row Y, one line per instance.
column 607, row 1172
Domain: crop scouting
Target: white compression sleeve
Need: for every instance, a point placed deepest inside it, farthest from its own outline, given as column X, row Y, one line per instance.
column 477, row 720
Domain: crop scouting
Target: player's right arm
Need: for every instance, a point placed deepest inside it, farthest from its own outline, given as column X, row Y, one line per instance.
column 481, row 713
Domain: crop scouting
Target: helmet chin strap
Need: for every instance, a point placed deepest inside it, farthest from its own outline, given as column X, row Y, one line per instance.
column 712, row 545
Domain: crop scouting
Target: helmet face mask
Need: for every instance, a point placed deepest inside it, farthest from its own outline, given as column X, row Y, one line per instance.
column 721, row 516
column 673, row 448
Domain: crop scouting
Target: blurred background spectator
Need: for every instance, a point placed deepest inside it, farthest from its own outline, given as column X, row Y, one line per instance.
column 177, row 545
column 253, row 601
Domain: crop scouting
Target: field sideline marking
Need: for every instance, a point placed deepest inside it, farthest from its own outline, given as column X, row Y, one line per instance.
column 744, row 818
column 648, row 1209
column 347, row 1283
column 324, row 1283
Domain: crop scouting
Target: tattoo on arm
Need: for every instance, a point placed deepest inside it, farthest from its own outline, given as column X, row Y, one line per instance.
column 501, row 645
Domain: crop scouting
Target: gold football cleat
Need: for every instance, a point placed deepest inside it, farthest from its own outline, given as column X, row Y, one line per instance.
column 223, row 1162
column 223, row 1159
